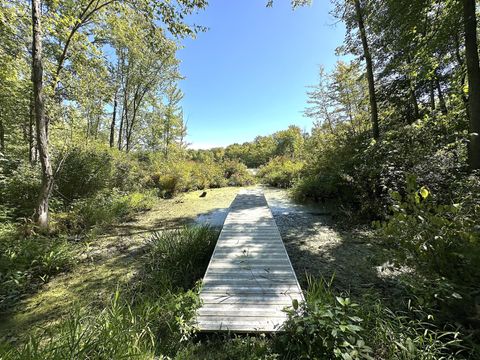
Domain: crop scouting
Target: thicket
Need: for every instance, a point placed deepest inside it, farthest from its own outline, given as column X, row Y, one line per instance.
column 95, row 187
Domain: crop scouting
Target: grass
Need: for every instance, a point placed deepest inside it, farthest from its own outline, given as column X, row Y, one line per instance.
column 105, row 261
column 147, row 317
column 152, row 266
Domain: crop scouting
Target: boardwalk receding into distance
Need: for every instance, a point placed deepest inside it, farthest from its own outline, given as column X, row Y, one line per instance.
column 250, row 278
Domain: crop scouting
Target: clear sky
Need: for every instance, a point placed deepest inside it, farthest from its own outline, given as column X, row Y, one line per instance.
column 247, row 75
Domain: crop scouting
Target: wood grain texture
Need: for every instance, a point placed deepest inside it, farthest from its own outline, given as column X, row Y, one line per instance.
column 250, row 280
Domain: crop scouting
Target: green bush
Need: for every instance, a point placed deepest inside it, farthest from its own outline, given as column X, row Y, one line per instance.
column 410, row 334
column 323, row 327
column 172, row 178
column 236, row 174
column 436, row 238
column 361, row 172
column 103, row 209
column 328, row 326
column 280, row 172
column 19, row 188
column 83, row 172
column 129, row 172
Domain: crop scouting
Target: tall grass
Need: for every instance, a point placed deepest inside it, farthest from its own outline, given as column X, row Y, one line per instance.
column 150, row 319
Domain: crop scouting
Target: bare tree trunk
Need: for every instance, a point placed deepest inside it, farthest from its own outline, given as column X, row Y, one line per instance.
column 432, row 95
column 473, row 71
column 370, row 78
column 120, row 130
column 441, row 98
column 414, row 102
column 112, row 125
column 41, row 210
column 2, row 135
column 461, row 65
column 32, row 151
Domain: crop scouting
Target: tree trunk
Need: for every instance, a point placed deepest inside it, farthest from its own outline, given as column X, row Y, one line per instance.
column 473, row 71
column 441, row 98
column 112, row 125
column 2, row 135
column 370, row 78
column 414, row 102
column 41, row 210
column 32, row 151
column 432, row 95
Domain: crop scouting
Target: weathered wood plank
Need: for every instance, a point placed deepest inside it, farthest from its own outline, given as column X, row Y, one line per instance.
column 250, row 280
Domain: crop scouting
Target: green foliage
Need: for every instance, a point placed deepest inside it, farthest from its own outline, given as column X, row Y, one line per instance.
column 28, row 262
column 324, row 327
column 83, row 172
column 172, row 178
column 19, row 186
column 150, row 319
column 328, row 326
column 236, row 174
column 119, row 331
column 179, row 258
column 409, row 335
column 280, row 172
column 104, row 209
column 440, row 239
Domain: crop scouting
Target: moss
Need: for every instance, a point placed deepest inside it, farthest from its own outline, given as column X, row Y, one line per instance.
column 106, row 261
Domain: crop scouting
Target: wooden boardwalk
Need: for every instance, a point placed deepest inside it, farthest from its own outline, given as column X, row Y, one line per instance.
column 250, row 278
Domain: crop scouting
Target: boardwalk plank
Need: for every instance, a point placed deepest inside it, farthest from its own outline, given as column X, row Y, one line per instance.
column 250, row 280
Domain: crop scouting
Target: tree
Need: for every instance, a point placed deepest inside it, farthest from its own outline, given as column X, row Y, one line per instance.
column 369, row 64
column 473, row 70
column 41, row 212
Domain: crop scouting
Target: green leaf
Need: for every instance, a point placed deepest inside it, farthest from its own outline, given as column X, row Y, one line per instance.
column 424, row 192
column 295, row 304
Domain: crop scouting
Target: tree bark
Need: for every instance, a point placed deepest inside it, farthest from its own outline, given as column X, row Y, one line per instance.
column 413, row 100
column 112, row 125
column 432, row 95
column 32, row 151
column 2, row 135
column 371, row 81
column 41, row 215
column 441, row 98
column 473, row 71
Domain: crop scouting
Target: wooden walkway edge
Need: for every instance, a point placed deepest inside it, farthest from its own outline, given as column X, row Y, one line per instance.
column 250, row 278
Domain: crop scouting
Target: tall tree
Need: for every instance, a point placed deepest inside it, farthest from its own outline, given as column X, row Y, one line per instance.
column 369, row 64
column 41, row 215
column 473, row 71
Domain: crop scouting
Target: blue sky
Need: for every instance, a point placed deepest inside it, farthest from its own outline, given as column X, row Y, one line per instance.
column 247, row 75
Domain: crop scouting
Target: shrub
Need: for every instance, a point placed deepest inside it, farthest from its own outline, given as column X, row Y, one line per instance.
column 361, row 172
column 436, row 238
column 175, row 177
column 236, row 173
column 83, row 172
column 129, row 172
column 280, row 172
column 104, row 209
column 19, row 188
column 409, row 334
column 328, row 326
column 323, row 327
